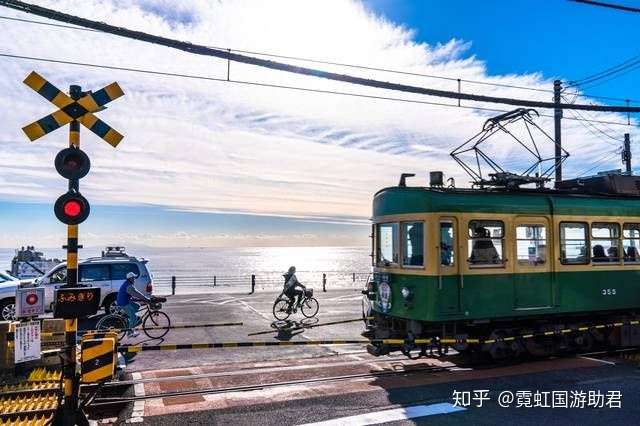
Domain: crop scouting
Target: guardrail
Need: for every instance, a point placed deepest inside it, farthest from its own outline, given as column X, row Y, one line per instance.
column 263, row 280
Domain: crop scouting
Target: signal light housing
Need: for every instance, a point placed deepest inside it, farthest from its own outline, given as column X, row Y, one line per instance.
column 72, row 163
column 71, row 208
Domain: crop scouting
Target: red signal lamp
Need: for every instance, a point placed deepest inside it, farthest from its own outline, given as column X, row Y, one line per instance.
column 71, row 208
column 32, row 299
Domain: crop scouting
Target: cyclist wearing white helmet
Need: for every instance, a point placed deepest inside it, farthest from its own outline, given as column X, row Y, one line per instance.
column 125, row 294
column 290, row 290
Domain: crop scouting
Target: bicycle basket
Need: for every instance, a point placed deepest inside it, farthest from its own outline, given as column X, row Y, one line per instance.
column 308, row 293
column 155, row 306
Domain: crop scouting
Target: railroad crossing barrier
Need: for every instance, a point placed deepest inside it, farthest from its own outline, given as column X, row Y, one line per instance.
column 98, row 357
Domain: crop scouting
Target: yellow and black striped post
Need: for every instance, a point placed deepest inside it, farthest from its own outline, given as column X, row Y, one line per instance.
column 71, row 386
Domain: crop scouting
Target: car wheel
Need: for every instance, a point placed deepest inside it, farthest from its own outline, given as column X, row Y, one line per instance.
column 110, row 304
column 8, row 310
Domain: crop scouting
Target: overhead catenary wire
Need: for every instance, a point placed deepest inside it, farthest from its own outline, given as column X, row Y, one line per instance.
column 632, row 62
column 343, row 64
column 280, row 66
column 317, row 61
column 603, row 159
column 608, row 5
column 279, row 86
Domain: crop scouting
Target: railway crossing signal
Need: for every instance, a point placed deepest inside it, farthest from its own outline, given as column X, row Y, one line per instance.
column 73, row 108
column 72, row 209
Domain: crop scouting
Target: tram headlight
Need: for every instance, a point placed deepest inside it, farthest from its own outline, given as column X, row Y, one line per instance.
column 406, row 293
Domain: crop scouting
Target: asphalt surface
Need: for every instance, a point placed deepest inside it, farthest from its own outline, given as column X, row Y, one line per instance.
column 321, row 400
column 597, row 378
column 255, row 312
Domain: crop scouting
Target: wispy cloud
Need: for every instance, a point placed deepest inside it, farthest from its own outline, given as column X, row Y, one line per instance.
column 218, row 147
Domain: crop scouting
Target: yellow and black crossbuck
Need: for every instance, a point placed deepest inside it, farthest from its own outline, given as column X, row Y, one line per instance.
column 81, row 110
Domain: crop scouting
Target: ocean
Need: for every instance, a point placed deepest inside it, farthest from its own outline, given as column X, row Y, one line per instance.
column 195, row 268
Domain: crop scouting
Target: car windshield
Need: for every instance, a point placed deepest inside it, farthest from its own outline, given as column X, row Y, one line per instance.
column 6, row 277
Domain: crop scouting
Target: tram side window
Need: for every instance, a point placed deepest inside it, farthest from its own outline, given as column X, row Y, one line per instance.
column 631, row 242
column 387, row 244
column 573, row 243
column 531, row 244
column 486, row 242
column 605, row 242
column 413, row 243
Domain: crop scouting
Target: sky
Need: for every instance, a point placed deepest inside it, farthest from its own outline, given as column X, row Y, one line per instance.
column 209, row 163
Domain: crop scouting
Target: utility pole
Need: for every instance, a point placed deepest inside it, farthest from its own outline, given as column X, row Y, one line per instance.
column 626, row 153
column 557, row 117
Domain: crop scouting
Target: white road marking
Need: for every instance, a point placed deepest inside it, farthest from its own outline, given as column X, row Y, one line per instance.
column 137, row 415
column 346, row 297
column 598, row 360
column 393, row 415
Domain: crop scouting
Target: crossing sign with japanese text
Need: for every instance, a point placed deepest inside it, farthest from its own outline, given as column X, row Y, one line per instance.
column 27, row 341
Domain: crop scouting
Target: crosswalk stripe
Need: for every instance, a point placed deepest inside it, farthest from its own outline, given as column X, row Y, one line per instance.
column 396, row 414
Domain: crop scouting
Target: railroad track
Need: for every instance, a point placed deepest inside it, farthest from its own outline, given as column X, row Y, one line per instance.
column 464, row 365
column 102, row 401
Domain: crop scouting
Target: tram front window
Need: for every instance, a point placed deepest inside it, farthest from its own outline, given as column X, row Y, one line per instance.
column 413, row 243
column 387, row 244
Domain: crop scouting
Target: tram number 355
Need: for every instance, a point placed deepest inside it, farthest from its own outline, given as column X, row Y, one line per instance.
column 608, row 291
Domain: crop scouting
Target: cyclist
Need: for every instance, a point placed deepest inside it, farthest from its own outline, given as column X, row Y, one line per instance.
column 290, row 290
column 125, row 294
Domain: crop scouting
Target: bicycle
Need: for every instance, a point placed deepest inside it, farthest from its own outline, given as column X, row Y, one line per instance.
column 155, row 323
column 283, row 306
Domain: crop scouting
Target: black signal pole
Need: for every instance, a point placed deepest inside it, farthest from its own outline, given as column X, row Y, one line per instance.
column 557, row 117
column 626, row 153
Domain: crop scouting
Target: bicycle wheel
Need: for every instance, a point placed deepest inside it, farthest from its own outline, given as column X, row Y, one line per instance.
column 156, row 324
column 281, row 309
column 310, row 307
column 115, row 323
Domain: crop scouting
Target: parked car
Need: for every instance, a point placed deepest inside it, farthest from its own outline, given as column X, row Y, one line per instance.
column 106, row 272
column 8, row 285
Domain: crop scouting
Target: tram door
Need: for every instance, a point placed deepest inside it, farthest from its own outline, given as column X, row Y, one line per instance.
column 449, row 281
column 532, row 273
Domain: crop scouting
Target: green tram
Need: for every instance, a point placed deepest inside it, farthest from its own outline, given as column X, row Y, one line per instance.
column 506, row 271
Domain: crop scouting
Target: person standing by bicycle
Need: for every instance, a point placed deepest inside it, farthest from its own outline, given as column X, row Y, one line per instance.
column 125, row 294
column 290, row 288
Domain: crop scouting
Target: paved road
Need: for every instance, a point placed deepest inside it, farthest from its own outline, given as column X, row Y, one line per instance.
column 388, row 398
column 395, row 398
column 255, row 312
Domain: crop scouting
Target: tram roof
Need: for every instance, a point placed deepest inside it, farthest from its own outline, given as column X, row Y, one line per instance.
column 402, row 200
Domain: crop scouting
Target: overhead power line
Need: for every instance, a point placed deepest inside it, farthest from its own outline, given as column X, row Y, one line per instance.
column 280, row 86
column 603, row 159
column 608, row 5
column 316, row 61
column 280, row 66
column 612, row 72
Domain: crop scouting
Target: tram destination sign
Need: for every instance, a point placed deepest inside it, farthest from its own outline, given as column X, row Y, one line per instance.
column 77, row 302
